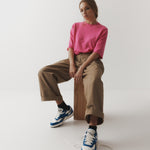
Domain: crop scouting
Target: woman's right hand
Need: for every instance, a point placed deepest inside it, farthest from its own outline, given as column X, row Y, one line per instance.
column 72, row 70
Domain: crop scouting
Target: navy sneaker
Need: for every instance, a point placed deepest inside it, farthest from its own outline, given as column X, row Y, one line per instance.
column 90, row 140
column 61, row 116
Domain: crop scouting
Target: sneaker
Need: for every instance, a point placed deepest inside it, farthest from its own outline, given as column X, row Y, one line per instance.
column 90, row 140
column 61, row 116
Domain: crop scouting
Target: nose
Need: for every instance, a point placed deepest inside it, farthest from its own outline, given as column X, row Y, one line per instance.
column 84, row 11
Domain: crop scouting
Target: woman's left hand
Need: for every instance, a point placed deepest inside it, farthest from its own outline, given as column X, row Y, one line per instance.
column 78, row 75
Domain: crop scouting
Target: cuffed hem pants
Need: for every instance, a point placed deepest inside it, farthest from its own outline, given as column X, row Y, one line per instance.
column 50, row 75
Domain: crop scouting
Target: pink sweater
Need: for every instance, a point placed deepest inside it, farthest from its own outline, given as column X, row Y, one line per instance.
column 86, row 38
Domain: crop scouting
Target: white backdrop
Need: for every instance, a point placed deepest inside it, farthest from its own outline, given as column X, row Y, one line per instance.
column 35, row 33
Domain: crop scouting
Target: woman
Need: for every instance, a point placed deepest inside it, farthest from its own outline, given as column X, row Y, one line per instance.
column 86, row 48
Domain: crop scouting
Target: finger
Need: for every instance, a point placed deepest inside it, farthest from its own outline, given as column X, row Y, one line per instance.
column 81, row 78
column 78, row 79
column 70, row 74
column 75, row 79
column 73, row 74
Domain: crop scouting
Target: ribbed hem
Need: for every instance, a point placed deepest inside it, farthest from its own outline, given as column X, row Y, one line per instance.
column 51, row 98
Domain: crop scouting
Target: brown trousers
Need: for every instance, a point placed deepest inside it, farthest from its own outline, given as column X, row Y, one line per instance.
column 50, row 75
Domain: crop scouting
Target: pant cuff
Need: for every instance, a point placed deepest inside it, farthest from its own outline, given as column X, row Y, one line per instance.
column 51, row 98
column 100, row 116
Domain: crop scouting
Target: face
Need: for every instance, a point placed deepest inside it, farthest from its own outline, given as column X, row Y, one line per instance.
column 86, row 11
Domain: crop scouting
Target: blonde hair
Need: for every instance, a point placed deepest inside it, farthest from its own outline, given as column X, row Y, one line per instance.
column 92, row 4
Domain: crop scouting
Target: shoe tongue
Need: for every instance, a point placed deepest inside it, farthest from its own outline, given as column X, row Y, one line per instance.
column 91, row 131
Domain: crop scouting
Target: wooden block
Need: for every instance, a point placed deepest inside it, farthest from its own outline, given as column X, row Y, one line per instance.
column 79, row 101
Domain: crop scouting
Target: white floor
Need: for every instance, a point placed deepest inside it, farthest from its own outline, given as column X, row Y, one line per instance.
column 24, row 122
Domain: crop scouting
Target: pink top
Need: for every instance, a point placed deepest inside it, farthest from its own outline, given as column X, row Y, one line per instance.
column 86, row 38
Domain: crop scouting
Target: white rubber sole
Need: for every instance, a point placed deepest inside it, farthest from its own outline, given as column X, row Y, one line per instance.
column 92, row 149
column 96, row 147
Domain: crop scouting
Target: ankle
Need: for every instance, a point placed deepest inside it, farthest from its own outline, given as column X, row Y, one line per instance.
column 93, row 127
column 63, row 106
column 93, row 120
column 59, row 102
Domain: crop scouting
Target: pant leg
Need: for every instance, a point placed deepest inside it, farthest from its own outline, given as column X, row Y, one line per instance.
column 49, row 76
column 93, row 88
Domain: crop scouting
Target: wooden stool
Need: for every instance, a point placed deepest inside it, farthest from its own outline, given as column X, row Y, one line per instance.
column 79, row 101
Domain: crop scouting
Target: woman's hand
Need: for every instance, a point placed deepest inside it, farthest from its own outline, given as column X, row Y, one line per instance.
column 78, row 75
column 72, row 70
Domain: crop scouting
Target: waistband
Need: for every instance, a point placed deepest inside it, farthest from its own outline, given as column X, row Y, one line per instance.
column 83, row 54
column 81, row 57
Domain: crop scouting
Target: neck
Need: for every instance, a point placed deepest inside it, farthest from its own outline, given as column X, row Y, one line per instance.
column 91, row 21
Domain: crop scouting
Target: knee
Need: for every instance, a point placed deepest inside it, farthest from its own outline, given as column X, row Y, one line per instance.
column 41, row 72
column 94, row 81
column 46, row 71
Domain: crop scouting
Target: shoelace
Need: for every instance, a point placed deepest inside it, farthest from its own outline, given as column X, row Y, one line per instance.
column 89, row 138
column 60, row 111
